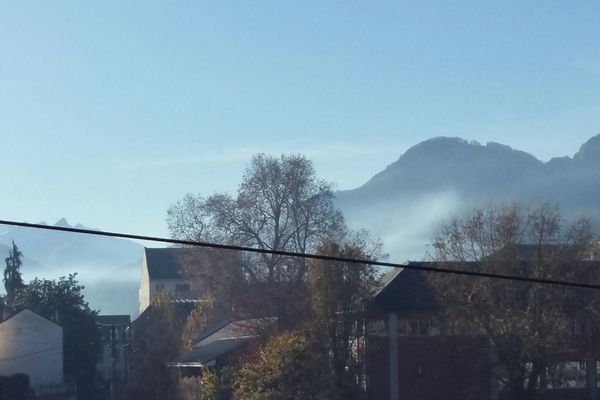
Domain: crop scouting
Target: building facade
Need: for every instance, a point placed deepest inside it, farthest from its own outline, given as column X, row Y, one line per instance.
column 32, row 345
column 163, row 269
column 412, row 354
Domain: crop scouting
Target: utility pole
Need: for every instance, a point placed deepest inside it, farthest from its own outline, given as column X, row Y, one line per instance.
column 393, row 356
column 113, row 353
column 590, row 364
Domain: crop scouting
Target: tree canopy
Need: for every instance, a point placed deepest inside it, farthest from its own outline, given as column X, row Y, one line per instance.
column 12, row 274
column 280, row 205
column 339, row 293
column 158, row 343
column 526, row 323
column 286, row 367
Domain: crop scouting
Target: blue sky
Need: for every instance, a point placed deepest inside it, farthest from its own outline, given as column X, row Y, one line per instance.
column 110, row 111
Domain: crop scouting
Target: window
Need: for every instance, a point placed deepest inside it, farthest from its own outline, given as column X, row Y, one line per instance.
column 570, row 374
column 182, row 287
column 417, row 327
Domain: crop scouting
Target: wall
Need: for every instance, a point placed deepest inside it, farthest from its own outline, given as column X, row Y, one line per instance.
column 144, row 295
column 430, row 368
column 32, row 345
column 170, row 286
column 148, row 287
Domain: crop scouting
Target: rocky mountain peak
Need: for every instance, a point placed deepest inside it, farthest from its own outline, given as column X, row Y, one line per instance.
column 63, row 223
column 589, row 151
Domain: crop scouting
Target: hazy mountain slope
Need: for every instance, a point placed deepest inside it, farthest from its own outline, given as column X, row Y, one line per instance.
column 435, row 179
column 453, row 163
column 55, row 248
column 108, row 267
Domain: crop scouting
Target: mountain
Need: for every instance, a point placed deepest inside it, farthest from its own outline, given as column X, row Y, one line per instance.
column 441, row 177
column 108, row 267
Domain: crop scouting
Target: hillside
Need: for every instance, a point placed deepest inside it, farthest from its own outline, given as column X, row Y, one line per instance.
column 437, row 178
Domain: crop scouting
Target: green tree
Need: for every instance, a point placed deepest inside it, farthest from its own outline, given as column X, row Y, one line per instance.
column 63, row 302
column 159, row 342
column 208, row 386
column 526, row 323
column 197, row 321
column 13, row 282
column 287, row 367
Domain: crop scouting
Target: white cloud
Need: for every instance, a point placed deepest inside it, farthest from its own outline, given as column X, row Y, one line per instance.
column 407, row 225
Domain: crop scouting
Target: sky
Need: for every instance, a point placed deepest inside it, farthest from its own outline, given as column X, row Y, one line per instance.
column 111, row 111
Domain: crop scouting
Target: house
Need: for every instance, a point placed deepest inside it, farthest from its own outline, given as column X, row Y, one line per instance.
column 164, row 269
column 218, row 345
column 411, row 355
column 32, row 345
column 186, row 273
column 408, row 358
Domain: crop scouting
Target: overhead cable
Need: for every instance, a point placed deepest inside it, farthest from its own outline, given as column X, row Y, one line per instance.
column 322, row 257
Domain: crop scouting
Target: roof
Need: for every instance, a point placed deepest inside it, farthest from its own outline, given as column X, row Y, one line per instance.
column 404, row 290
column 407, row 290
column 529, row 251
column 385, row 279
column 181, row 309
column 168, row 262
column 222, row 339
column 113, row 319
column 165, row 263
column 28, row 314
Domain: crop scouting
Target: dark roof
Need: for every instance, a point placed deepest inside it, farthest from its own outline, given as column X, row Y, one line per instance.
column 385, row 279
column 206, row 354
column 405, row 290
column 528, row 252
column 181, row 309
column 213, row 329
column 224, row 338
column 123, row 320
column 170, row 262
column 166, row 262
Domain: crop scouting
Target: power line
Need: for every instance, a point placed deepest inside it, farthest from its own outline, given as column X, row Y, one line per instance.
column 409, row 266
column 30, row 354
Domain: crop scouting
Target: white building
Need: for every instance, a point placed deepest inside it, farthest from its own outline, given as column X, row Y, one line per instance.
column 162, row 269
column 32, row 345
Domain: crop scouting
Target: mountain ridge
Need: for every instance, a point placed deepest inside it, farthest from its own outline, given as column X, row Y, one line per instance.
column 443, row 176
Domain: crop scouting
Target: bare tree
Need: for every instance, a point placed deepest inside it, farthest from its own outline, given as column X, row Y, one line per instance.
column 527, row 324
column 188, row 219
column 280, row 205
